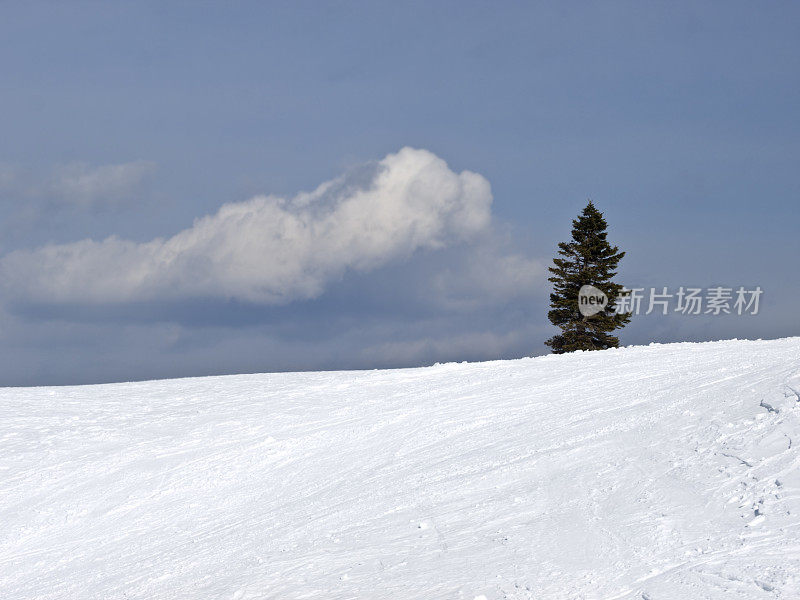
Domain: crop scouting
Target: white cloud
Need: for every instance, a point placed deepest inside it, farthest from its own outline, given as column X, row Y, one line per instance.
column 89, row 186
column 268, row 249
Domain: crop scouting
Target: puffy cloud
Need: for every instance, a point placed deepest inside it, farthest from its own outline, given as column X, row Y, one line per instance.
column 268, row 249
column 89, row 186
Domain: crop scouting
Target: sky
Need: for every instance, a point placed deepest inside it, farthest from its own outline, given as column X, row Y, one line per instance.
column 192, row 188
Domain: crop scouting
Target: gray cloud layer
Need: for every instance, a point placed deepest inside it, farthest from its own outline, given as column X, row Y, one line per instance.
column 267, row 250
column 88, row 186
column 77, row 184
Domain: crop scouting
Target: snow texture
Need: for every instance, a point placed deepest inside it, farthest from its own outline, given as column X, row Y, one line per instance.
column 655, row 472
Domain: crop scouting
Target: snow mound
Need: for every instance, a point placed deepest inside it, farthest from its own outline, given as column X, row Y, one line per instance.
column 664, row 471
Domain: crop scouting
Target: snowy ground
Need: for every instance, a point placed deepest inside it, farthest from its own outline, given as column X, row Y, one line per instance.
column 649, row 472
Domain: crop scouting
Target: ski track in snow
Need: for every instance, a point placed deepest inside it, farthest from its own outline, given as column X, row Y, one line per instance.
column 648, row 472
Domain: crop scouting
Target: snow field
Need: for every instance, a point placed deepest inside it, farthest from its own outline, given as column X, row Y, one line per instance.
column 663, row 471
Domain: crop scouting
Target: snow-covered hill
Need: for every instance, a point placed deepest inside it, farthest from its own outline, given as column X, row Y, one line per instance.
column 665, row 471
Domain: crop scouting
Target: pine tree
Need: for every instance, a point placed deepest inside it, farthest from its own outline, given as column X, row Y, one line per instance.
column 586, row 260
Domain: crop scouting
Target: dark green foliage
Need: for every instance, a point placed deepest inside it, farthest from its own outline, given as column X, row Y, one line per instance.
column 586, row 260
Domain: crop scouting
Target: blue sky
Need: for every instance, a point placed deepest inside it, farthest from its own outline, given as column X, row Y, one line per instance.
column 134, row 120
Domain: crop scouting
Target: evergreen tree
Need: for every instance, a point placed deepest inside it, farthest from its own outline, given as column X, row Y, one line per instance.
column 586, row 260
